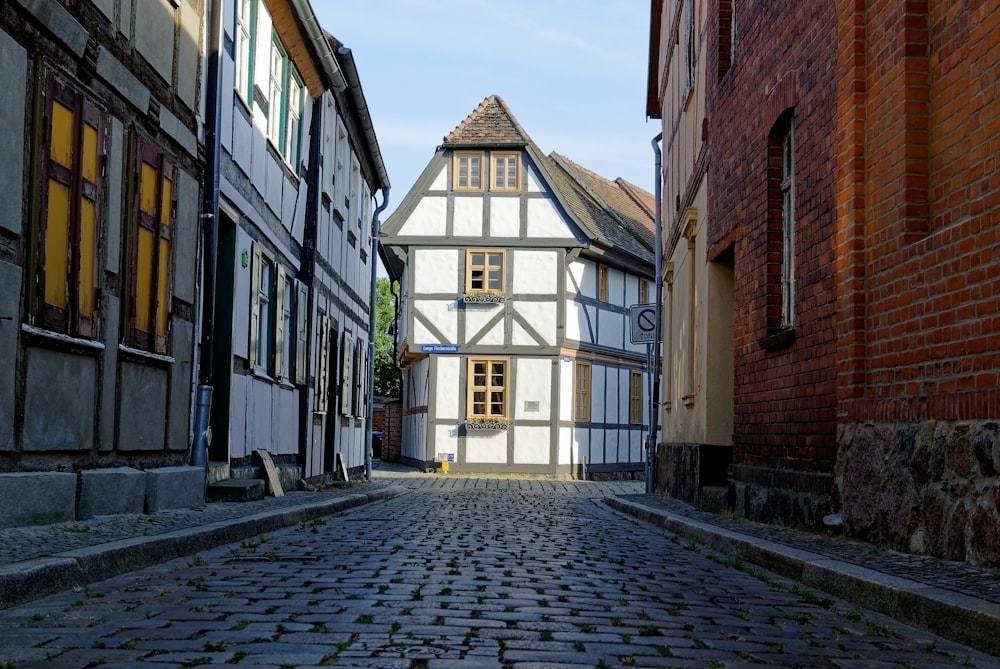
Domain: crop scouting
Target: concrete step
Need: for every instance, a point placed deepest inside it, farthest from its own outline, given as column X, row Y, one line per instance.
column 235, row 490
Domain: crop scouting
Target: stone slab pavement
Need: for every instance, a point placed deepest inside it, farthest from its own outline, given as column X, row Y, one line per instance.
column 952, row 600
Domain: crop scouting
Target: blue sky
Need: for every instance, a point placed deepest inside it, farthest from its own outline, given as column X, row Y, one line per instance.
column 573, row 73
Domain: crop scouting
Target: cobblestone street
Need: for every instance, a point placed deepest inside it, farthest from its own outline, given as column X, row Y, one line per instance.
column 464, row 571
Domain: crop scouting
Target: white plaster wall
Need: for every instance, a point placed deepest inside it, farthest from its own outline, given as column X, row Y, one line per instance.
column 544, row 220
column 505, row 217
column 581, row 445
column 575, row 278
column 533, row 384
column 238, row 412
column 476, row 320
column 567, row 449
column 566, row 388
column 542, row 316
column 574, row 320
column 445, row 440
column 441, row 180
column 612, row 329
column 444, row 317
column 534, row 184
column 487, row 448
column 435, row 271
column 447, row 402
column 429, row 218
column 467, row 219
column 531, row 445
column 241, row 296
column 535, row 272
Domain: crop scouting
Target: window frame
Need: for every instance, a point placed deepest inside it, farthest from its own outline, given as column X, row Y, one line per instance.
column 471, row 267
column 263, row 312
column 643, row 291
column 603, row 283
column 635, row 398
column 788, row 226
column 77, row 312
column 488, row 388
column 503, row 172
column 244, row 36
column 582, row 391
column 158, row 275
column 457, row 171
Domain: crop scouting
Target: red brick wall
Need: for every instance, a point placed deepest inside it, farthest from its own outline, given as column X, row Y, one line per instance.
column 919, row 195
column 785, row 393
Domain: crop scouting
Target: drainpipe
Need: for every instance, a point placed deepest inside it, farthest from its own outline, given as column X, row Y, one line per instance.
column 370, row 412
column 654, row 400
column 210, row 243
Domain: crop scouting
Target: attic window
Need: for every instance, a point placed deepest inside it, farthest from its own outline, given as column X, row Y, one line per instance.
column 468, row 171
column 505, row 171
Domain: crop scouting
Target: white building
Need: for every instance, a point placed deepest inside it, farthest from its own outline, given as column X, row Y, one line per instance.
column 300, row 167
column 517, row 270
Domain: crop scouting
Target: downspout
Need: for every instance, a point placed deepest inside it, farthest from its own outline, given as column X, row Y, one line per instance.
column 654, row 399
column 210, row 243
column 370, row 412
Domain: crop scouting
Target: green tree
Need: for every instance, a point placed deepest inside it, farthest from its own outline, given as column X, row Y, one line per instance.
column 387, row 377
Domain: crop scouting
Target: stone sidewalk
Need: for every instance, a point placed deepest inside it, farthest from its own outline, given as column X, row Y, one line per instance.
column 953, row 600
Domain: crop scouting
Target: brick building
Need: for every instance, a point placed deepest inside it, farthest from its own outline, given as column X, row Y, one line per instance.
column 847, row 161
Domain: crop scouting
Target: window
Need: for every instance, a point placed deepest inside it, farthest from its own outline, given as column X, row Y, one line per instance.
column 643, row 291
column 468, row 171
column 245, row 15
column 635, row 398
column 326, row 346
column 284, row 104
column 581, row 392
column 505, row 171
column 487, row 389
column 70, row 222
column 152, row 239
column 483, row 271
column 602, row 283
column 780, row 231
column 727, row 35
column 787, row 227
column 346, row 375
column 262, row 311
column 301, row 340
column 689, row 46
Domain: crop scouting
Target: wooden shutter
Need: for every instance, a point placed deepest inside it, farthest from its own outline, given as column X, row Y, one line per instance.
column 280, row 280
column 254, row 305
column 322, row 364
column 301, row 331
column 347, row 353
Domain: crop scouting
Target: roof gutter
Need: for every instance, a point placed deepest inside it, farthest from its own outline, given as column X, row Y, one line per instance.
column 316, row 36
column 359, row 106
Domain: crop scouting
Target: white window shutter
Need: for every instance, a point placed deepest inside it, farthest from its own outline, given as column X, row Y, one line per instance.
column 254, row 305
column 301, row 318
column 279, row 322
column 322, row 364
column 345, row 375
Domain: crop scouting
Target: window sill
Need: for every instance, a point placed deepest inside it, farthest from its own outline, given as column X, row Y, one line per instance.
column 59, row 337
column 139, row 354
column 778, row 339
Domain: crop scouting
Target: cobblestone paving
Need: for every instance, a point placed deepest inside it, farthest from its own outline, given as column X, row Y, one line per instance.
column 463, row 572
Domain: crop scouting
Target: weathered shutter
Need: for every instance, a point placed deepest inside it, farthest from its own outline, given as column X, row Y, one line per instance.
column 280, row 279
column 322, row 364
column 301, row 318
column 254, row 305
column 347, row 353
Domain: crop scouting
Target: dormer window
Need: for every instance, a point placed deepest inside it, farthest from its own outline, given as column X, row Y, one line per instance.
column 468, row 171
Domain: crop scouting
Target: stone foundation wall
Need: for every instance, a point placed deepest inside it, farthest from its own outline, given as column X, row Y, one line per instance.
column 930, row 487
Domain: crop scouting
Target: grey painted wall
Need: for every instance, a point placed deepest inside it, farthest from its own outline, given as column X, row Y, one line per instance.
column 60, row 392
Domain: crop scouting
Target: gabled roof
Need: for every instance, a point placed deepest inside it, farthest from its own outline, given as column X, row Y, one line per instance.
column 615, row 216
column 490, row 124
column 618, row 213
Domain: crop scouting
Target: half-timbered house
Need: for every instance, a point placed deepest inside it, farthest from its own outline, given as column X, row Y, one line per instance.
column 517, row 270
